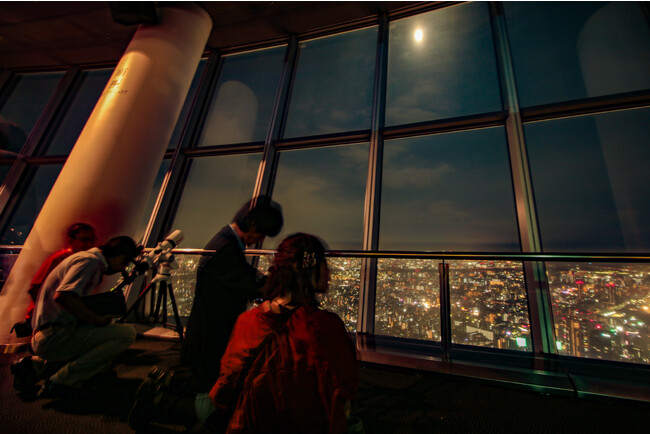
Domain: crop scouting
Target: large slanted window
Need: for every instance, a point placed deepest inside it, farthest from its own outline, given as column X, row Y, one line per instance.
column 590, row 177
column 215, row 189
column 332, row 92
column 441, row 65
column 30, row 205
column 28, row 95
column 89, row 88
column 448, row 191
column 576, row 50
column 243, row 101
column 322, row 192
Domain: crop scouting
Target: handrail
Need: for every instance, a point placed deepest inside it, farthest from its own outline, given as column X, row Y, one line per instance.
column 542, row 257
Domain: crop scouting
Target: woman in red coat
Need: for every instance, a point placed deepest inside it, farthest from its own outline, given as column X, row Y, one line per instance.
column 290, row 367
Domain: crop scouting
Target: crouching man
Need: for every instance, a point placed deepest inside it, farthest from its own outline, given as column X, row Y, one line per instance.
column 66, row 330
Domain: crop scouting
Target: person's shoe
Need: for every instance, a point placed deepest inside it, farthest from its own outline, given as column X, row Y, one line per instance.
column 25, row 376
column 51, row 390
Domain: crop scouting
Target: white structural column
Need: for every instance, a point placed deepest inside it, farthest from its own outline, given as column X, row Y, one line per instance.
column 111, row 170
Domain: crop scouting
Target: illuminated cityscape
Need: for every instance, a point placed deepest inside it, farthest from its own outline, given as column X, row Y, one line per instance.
column 600, row 311
column 488, row 302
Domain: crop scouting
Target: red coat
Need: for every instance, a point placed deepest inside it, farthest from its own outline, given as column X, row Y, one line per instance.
column 287, row 373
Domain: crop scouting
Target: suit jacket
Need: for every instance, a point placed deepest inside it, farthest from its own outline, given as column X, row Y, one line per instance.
column 225, row 282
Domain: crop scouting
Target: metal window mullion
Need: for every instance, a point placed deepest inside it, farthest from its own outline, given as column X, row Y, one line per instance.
column 445, row 310
column 172, row 185
column 268, row 166
column 19, row 172
column 368, row 283
column 536, row 285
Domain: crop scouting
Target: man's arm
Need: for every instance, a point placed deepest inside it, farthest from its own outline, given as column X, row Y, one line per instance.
column 77, row 308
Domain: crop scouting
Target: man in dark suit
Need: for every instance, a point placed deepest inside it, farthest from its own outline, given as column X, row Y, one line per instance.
column 225, row 283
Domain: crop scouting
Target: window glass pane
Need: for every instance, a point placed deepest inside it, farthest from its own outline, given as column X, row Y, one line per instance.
column 151, row 202
column 216, row 187
column 333, row 87
column 183, row 282
column 488, row 304
column 28, row 97
column 30, row 205
column 448, row 191
column 322, row 192
column 408, row 298
column 187, row 105
column 342, row 297
column 442, row 64
column 601, row 310
column 78, row 111
column 591, row 182
column 588, row 49
column 243, row 101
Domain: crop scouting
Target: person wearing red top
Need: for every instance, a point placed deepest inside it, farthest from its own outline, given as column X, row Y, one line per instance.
column 290, row 367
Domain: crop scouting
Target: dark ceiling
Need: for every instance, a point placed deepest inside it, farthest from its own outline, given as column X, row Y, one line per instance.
column 47, row 34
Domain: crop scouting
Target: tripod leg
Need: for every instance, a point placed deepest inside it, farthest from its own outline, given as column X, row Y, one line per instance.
column 135, row 304
column 179, row 326
column 156, row 313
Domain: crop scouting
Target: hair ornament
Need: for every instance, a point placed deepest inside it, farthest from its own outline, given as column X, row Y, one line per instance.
column 308, row 259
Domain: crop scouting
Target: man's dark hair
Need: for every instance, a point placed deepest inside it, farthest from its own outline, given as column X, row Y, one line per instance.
column 121, row 245
column 74, row 229
column 260, row 214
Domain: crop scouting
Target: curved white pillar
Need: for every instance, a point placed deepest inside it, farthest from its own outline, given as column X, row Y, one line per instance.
column 111, row 170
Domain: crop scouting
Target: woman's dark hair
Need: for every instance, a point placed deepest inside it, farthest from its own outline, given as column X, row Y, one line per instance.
column 296, row 269
column 261, row 214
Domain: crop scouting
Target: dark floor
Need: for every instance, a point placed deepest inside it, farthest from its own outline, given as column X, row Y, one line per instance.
column 390, row 401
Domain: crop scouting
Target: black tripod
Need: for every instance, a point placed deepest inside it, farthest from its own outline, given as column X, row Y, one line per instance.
column 162, row 283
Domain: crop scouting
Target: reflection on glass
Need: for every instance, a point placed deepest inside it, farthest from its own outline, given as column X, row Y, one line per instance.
column 408, row 298
column 187, row 105
column 78, row 110
column 571, row 50
column 333, row 88
column 601, row 311
column 441, row 64
column 151, row 202
column 244, row 97
column 30, row 205
column 591, row 181
column 26, row 101
column 322, row 192
column 448, row 192
column 215, row 189
column 488, row 304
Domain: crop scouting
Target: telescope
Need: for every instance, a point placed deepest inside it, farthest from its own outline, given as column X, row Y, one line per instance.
column 159, row 255
column 161, row 258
